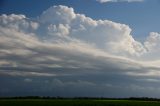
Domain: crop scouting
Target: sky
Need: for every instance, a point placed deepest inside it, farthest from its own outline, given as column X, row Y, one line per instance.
column 137, row 15
column 80, row 48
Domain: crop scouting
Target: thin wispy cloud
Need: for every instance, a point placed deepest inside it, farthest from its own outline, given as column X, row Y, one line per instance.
column 106, row 1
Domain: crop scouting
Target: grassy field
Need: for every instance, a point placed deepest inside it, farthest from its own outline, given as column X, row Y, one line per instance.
column 39, row 102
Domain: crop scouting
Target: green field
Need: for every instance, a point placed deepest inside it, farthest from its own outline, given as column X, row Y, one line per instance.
column 39, row 102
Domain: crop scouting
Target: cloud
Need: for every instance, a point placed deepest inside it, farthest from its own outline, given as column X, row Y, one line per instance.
column 113, row 37
column 152, row 41
column 28, row 80
column 19, row 73
column 58, row 30
column 105, row 1
column 75, row 51
column 61, row 14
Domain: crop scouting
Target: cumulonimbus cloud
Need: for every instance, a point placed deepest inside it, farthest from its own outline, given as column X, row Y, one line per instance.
column 65, row 45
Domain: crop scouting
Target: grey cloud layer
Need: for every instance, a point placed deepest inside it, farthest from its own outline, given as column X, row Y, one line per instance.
column 64, row 50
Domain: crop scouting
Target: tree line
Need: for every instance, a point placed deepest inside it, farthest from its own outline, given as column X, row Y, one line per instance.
column 83, row 98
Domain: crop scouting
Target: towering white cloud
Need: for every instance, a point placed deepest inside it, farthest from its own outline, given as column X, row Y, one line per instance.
column 61, row 14
column 110, row 36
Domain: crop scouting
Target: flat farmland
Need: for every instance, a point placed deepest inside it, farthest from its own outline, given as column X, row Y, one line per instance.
column 44, row 102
